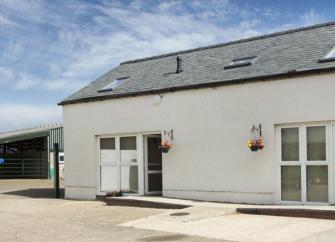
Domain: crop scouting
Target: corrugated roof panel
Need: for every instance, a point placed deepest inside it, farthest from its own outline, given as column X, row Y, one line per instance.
column 20, row 137
column 56, row 136
column 30, row 133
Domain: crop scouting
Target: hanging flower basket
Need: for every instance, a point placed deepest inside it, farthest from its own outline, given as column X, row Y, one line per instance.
column 165, row 147
column 256, row 142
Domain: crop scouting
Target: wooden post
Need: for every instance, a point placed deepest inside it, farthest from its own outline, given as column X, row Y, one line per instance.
column 56, row 167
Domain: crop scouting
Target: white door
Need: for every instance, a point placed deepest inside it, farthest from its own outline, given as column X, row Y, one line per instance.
column 153, row 164
column 305, row 163
column 118, row 164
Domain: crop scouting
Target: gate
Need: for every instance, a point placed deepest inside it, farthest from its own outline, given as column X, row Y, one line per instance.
column 24, row 168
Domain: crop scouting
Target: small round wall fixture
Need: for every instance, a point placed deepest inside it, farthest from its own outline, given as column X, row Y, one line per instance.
column 157, row 99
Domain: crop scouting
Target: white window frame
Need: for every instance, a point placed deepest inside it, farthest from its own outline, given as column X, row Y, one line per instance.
column 303, row 163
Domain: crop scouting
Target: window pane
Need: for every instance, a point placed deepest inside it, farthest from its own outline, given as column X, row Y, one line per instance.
column 317, row 183
column 128, row 149
column 316, row 143
column 107, row 144
column 109, row 178
column 290, row 183
column 128, row 143
column 129, row 179
column 290, row 144
column 107, row 150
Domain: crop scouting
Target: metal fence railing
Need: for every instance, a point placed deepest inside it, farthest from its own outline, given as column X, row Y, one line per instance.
column 24, row 168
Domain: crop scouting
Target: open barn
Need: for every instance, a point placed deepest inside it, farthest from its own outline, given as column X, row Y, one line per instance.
column 28, row 153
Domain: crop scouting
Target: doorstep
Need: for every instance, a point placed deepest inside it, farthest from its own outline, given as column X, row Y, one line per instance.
column 146, row 202
column 291, row 212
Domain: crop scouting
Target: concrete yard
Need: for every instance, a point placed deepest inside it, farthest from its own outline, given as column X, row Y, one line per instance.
column 28, row 212
column 26, row 217
column 226, row 224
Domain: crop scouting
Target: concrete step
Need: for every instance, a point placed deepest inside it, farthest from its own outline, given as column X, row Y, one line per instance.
column 118, row 201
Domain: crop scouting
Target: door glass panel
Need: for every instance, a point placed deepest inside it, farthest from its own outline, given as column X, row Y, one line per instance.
column 128, row 149
column 290, row 144
column 107, row 150
column 154, row 154
column 316, row 143
column 129, row 179
column 317, row 183
column 155, row 182
column 290, row 183
column 109, row 178
column 107, row 144
column 128, row 143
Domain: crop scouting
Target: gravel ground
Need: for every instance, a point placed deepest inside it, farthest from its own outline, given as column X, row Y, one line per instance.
column 28, row 212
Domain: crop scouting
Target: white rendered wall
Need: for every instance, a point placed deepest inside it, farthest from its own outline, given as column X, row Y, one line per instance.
column 210, row 159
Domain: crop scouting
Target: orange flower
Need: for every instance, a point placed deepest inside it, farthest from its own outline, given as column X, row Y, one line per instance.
column 166, row 144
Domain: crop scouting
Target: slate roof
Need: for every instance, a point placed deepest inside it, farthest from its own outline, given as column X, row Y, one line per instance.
column 285, row 53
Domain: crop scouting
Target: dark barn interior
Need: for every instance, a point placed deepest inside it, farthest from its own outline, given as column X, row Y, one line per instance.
column 25, row 159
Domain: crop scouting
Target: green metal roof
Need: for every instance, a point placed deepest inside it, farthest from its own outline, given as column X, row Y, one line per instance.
column 20, row 137
column 54, row 133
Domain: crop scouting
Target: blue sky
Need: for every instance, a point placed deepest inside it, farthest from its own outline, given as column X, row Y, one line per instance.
column 49, row 49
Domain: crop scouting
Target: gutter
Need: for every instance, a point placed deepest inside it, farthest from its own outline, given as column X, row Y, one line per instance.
column 286, row 74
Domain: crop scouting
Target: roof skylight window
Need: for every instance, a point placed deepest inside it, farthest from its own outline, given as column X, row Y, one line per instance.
column 247, row 61
column 330, row 56
column 111, row 86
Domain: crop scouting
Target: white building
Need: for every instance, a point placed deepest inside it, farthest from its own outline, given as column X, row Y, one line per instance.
column 205, row 102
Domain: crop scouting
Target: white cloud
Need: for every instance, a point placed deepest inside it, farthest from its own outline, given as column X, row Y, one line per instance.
column 17, row 116
column 5, row 21
column 5, row 75
column 311, row 17
column 61, row 85
column 26, row 81
column 164, row 6
column 29, row 10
